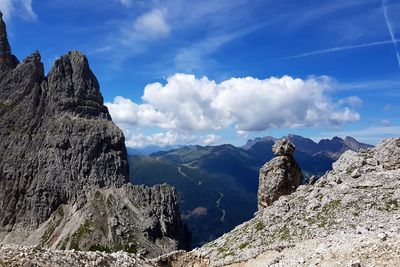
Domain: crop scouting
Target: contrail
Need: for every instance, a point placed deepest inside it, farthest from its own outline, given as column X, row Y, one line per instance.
column 342, row 48
column 390, row 28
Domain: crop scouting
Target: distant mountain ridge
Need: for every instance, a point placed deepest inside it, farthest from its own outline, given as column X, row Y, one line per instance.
column 152, row 149
column 227, row 175
column 334, row 146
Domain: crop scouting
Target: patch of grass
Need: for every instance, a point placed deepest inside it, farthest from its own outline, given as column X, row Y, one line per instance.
column 48, row 233
column 390, row 205
column 285, row 233
column 326, row 217
column 331, row 205
column 97, row 194
column 100, row 248
column 60, row 211
column 130, row 249
column 244, row 245
column 85, row 229
column 5, row 106
column 260, row 226
column 222, row 250
column 229, row 254
column 64, row 244
column 110, row 201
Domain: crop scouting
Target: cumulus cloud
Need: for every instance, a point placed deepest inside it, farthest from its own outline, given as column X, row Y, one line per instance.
column 168, row 138
column 126, row 112
column 187, row 104
column 22, row 8
column 152, row 24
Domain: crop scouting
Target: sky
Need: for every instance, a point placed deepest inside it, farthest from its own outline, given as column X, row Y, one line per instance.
column 177, row 72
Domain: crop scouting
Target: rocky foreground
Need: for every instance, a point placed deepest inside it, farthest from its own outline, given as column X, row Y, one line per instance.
column 349, row 217
column 351, row 214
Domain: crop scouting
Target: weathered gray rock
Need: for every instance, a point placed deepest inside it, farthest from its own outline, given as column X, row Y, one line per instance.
column 58, row 140
column 283, row 147
column 12, row 255
column 130, row 218
column 58, row 146
column 280, row 176
column 7, row 60
column 339, row 220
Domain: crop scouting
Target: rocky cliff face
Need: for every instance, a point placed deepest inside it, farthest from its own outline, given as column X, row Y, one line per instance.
column 280, row 176
column 58, row 141
column 58, row 146
column 7, row 60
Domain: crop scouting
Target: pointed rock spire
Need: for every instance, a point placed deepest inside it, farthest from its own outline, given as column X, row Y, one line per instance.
column 5, row 50
column 280, row 176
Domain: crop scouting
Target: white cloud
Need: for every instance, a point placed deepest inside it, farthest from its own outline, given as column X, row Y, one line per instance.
column 187, row 104
column 168, row 138
column 152, row 24
column 132, row 37
column 6, row 8
column 22, row 8
column 353, row 101
column 127, row 3
column 195, row 56
column 27, row 10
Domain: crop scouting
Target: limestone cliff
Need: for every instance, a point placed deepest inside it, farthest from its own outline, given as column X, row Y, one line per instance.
column 58, row 146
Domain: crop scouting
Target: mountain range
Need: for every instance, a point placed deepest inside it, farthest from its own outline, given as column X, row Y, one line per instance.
column 217, row 185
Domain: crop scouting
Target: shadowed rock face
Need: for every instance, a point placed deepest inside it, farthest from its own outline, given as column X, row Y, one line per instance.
column 58, row 147
column 58, row 140
column 6, row 58
column 280, row 176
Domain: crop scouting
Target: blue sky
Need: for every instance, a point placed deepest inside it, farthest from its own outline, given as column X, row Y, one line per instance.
column 173, row 71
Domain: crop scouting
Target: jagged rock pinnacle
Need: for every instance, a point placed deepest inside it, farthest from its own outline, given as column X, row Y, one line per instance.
column 5, row 50
column 283, row 148
column 280, row 176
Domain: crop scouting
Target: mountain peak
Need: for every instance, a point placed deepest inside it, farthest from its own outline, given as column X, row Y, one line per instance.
column 6, row 56
column 83, row 98
column 349, row 138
